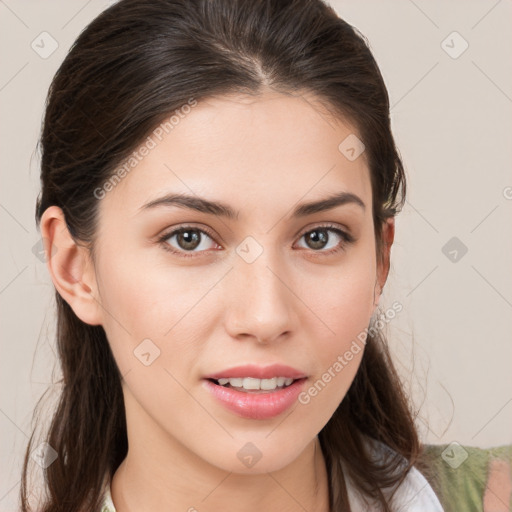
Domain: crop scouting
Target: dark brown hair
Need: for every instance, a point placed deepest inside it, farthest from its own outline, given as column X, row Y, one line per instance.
column 129, row 68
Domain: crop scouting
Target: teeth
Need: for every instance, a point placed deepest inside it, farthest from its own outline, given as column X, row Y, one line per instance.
column 250, row 383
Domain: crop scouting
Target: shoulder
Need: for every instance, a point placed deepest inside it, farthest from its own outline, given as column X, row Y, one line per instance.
column 463, row 476
column 414, row 494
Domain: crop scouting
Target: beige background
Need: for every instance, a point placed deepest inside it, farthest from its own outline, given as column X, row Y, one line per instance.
column 452, row 121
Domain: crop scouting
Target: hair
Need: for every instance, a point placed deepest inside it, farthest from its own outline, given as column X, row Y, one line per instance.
column 131, row 67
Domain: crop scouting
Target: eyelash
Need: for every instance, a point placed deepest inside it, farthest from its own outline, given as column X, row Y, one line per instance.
column 346, row 237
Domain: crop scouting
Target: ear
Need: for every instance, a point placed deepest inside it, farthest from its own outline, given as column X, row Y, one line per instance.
column 70, row 267
column 383, row 260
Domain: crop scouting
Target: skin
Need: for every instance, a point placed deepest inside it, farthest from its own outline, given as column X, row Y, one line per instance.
column 295, row 304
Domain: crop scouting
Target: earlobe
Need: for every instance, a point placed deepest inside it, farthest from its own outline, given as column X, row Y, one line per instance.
column 70, row 267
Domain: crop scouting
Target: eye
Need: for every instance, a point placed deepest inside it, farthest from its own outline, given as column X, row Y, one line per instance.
column 187, row 239
column 327, row 239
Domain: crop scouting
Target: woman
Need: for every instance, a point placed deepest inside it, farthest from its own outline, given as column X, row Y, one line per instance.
column 219, row 187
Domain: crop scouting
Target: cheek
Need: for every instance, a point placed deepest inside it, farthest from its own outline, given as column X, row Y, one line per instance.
column 344, row 299
column 347, row 314
column 144, row 299
column 344, row 304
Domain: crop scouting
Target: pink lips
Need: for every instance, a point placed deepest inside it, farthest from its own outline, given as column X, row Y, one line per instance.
column 261, row 405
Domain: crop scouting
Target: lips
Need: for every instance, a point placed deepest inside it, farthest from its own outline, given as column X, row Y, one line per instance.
column 258, row 372
column 256, row 405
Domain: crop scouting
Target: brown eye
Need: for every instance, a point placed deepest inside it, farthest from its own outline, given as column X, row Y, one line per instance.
column 326, row 239
column 187, row 240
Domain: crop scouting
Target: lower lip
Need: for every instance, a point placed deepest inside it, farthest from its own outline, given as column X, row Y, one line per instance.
column 256, row 406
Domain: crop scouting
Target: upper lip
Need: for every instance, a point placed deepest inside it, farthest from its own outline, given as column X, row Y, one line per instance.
column 258, row 372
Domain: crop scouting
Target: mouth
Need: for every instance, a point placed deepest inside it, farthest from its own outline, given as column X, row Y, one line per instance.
column 256, row 392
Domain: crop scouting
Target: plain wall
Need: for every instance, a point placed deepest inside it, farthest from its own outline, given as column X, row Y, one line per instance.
column 452, row 120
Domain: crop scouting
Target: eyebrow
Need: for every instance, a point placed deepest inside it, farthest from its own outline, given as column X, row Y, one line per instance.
column 223, row 210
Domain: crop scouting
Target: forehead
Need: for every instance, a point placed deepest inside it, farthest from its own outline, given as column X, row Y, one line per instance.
column 245, row 150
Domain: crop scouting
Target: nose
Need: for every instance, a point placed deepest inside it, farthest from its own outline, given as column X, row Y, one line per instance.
column 260, row 302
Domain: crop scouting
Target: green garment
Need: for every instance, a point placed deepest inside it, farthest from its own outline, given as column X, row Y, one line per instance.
column 458, row 474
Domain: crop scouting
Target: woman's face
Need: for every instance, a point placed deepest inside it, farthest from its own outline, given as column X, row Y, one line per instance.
column 272, row 282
